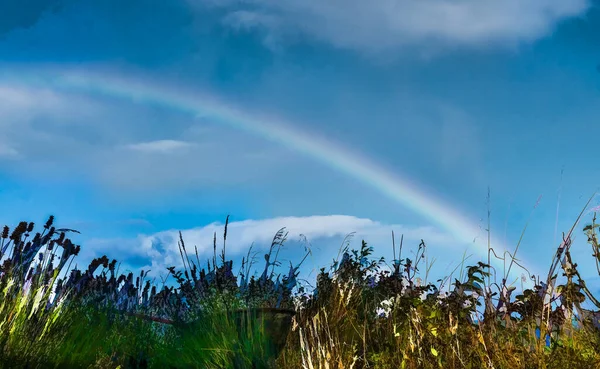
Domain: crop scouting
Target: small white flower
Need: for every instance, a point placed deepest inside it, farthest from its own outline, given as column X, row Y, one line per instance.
column 385, row 308
column 382, row 312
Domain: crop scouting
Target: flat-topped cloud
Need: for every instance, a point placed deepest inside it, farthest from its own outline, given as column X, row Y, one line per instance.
column 323, row 234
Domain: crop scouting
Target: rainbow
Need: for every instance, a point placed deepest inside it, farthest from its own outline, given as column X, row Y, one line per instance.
column 394, row 186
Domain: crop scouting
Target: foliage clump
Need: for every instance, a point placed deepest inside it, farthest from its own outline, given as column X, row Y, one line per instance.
column 364, row 316
column 100, row 316
column 359, row 314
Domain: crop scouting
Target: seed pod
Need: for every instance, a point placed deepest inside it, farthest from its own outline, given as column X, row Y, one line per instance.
column 49, row 222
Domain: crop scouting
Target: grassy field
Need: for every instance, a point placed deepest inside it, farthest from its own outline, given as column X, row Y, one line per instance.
column 361, row 314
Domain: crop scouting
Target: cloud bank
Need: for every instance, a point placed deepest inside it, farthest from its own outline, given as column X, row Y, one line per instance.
column 324, row 234
column 389, row 24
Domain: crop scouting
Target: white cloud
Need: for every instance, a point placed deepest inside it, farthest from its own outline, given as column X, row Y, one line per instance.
column 21, row 103
column 160, row 250
column 160, row 146
column 387, row 24
column 42, row 127
column 245, row 232
column 36, row 121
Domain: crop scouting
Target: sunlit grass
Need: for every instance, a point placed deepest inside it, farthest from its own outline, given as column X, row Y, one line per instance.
column 361, row 313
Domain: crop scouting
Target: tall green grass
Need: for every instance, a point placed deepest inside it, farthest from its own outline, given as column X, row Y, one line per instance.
column 362, row 313
column 99, row 319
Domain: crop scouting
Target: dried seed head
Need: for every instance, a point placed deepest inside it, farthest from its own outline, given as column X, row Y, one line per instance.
column 49, row 222
column 30, row 227
column 68, row 245
column 18, row 231
column 5, row 231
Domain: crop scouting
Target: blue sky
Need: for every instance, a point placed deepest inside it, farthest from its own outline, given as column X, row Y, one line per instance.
column 451, row 97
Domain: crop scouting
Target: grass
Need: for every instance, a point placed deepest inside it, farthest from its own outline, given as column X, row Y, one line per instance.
column 360, row 314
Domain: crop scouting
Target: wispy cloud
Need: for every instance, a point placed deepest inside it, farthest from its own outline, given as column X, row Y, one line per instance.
column 7, row 152
column 43, row 127
column 24, row 102
column 160, row 146
column 389, row 24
